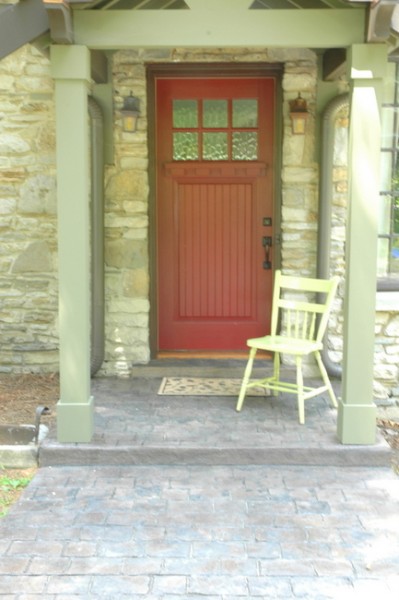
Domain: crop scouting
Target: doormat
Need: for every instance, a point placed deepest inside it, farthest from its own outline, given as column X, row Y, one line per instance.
column 204, row 386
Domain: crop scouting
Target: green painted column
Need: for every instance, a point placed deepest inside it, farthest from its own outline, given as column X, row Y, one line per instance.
column 357, row 412
column 71, row 71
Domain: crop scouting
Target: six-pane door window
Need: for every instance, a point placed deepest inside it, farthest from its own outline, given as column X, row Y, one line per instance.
column 215, row 129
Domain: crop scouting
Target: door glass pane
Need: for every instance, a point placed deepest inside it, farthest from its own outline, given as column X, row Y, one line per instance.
column 245, row 112
column 395, row 176
column 388, row 133
column 245, row 145
column 386, row 171
column 185, row 113
column 384, row 214
column 185, row 146
column 389, row 83
column 382, row 257
column 215, row 113
column 396, row 215
column 388, row 225
column 215, row 146
column 394, row 266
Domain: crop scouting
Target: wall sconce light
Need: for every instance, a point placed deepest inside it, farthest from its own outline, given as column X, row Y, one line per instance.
column 130, row 113
column 299, row 114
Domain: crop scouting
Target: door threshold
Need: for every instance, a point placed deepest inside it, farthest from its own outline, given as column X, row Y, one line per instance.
column 208, row 354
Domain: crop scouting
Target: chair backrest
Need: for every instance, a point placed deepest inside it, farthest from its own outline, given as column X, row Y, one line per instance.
column 302, row 305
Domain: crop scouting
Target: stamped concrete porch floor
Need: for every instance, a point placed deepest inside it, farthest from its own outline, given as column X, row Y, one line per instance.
column 133, row 425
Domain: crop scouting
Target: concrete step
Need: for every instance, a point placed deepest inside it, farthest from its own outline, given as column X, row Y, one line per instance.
column 52, row 453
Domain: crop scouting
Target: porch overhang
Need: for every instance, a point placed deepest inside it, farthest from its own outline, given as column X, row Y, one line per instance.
column 101, row 24
column 121, row 29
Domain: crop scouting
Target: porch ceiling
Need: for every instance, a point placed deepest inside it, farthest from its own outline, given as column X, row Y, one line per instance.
column 183, row 4
column 21, row 22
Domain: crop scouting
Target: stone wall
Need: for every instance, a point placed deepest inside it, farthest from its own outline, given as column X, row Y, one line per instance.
column 126, row 229
column 339, row 194
column 28, row 258
column 299, row 177
column 386, row 369
column 28, row 252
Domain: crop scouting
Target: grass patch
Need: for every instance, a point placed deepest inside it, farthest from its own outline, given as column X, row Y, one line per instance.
column 12, row 482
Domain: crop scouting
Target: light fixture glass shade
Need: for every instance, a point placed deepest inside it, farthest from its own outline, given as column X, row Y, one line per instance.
column 298, row 122
column 130, row 113
column 299, row 114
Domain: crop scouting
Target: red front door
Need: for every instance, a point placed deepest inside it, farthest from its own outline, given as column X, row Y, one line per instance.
column 214, row 210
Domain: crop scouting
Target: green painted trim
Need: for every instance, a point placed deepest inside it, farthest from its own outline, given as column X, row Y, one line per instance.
column 118, row 29
column 367, row 61
column 356, row 423
column 72, row 86
column 75, row 422
column 70, row 62
column 104, row 95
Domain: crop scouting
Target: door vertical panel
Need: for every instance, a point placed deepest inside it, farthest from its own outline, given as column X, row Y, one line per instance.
column 218, row 234
column 214, row 279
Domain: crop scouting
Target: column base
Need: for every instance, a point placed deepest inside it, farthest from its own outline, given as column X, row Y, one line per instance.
column 356, row 423
column 75, row 421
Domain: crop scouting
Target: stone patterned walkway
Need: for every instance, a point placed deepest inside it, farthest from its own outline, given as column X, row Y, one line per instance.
column 196, row 532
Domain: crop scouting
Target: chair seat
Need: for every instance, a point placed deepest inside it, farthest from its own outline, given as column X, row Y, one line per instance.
column 278, row 343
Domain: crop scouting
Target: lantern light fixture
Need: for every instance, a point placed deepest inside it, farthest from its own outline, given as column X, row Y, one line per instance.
column 299, row 114
column 130, row 113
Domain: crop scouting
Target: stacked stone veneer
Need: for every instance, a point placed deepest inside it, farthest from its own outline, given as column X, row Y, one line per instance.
column 28, row 254
column 28, row 238
column 386, row 362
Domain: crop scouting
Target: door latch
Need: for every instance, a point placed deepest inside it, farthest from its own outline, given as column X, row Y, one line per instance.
column 267, row 244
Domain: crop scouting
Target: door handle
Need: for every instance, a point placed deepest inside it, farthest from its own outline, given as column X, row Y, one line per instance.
column 267, row 244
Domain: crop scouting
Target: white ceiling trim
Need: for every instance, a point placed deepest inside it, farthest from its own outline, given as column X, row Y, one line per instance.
column 226, row 5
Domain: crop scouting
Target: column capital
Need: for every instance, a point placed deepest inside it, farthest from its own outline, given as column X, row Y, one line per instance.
column 70, row 62
column 367, row 61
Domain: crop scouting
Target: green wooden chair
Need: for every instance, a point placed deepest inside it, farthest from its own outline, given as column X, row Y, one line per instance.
column 303, row 321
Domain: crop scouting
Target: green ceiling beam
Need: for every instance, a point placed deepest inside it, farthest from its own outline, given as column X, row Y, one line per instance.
column 209, row 28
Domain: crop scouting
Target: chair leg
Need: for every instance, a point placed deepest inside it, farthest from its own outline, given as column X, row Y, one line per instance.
column 326, row 380
column 299, row 383
column 247, row 375
column 276, row 368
